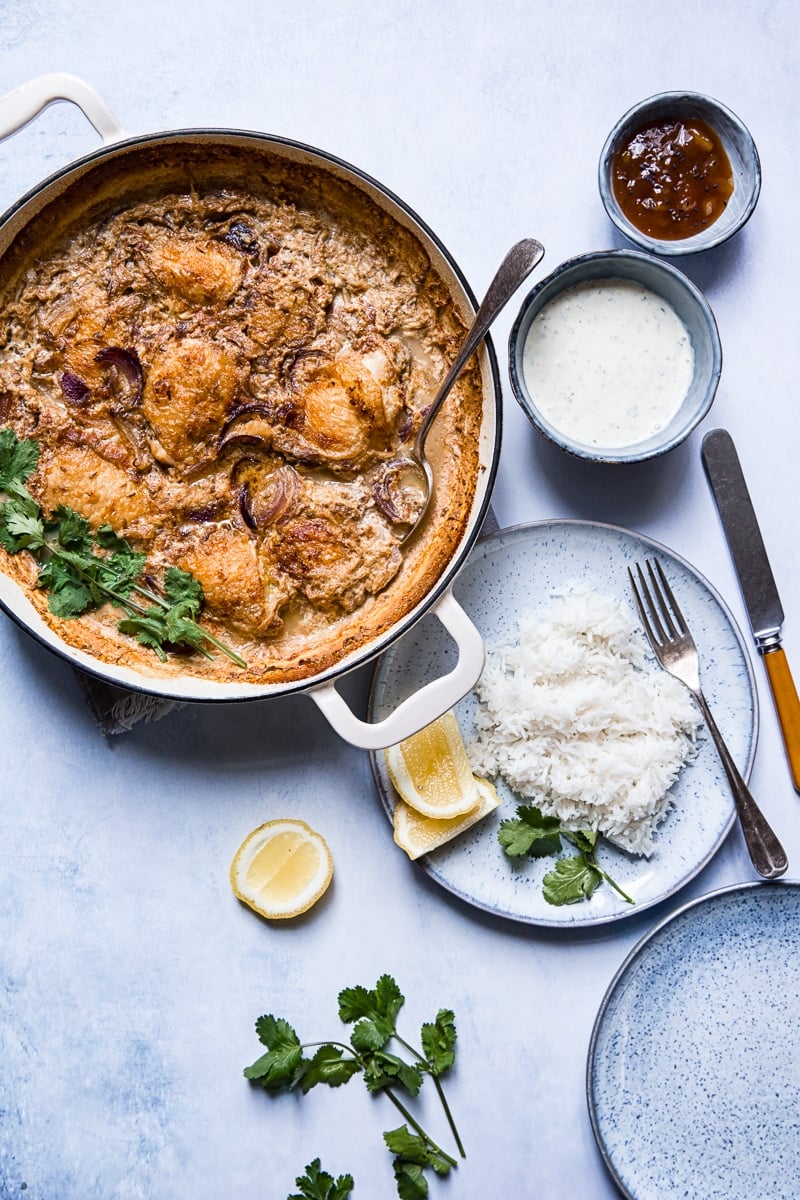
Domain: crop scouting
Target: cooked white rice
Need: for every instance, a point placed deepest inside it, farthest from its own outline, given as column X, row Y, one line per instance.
column 577, row 720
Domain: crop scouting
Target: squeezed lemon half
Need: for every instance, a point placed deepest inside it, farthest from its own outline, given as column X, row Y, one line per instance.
column 431, row 771
column 281, row 869
column 418, row 835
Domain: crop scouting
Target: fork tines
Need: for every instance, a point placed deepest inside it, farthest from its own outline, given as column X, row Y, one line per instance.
column 659, row 612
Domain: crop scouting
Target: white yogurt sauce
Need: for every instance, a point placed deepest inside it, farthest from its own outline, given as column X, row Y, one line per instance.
column 608, row 362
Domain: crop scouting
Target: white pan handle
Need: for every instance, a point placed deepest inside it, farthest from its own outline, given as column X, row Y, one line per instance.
column 425, row 705
column 19, row 107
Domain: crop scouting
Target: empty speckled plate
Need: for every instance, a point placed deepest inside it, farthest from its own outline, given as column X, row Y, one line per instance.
column 522, row 569
column 694, row 1063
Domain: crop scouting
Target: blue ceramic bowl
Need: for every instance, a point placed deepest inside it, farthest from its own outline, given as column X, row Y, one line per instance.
column 741, row 151
column 686, row 300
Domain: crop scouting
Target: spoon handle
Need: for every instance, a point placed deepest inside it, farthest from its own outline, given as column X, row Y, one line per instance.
column 515, row 267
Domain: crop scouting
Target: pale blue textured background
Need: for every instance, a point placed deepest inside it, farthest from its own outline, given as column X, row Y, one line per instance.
column 129, row 976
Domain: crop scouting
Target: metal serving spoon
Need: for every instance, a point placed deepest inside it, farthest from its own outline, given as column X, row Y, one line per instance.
column 410, row 486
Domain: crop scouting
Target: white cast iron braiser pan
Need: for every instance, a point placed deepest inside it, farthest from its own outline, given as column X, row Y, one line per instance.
column 19, row 107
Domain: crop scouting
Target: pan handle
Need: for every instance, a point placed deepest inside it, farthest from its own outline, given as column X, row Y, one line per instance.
column 430, row 702
column 19, row 107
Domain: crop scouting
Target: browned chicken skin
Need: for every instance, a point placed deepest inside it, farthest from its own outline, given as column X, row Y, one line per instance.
column 189, row 387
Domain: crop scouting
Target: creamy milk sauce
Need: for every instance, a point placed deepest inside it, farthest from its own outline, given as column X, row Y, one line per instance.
column 608, row 362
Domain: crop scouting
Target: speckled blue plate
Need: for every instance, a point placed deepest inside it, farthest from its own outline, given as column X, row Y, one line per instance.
column 521, row 569
column 694, row 1062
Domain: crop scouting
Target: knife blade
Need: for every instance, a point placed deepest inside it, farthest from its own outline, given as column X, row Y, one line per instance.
column 759, row 591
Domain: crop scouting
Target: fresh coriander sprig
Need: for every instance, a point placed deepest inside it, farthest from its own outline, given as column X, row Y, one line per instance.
column 572, row 879
column 78, row 578
column 372, row 1012
column 316, row 1184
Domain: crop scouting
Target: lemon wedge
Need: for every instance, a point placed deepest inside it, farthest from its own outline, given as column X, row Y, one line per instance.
column 281, row 869
column 431, row 771
column 419, row 835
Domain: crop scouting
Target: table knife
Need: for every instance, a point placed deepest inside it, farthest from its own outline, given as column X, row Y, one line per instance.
column 757, row 582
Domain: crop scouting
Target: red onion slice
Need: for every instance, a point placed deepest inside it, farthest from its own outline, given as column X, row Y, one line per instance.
column 231, row 436
column 73, row 387
column 273, row 501
column 242, row 439
column 250, row 409
column 129, row 366
column 241, row 237
column 245, row 509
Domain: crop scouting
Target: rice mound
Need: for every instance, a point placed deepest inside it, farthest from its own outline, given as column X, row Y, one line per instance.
column 577, row 720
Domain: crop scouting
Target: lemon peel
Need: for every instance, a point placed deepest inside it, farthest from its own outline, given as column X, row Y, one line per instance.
column 431, row 771
column 281, row 869
column 418, row 835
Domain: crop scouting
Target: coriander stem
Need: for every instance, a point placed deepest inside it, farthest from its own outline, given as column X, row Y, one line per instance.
column 156, row 599
column 126, row 603
column 437, row 1083
column 440, row 1091
column 74, row 561
column 591, row 861
column 401, row 1108
column 615, row 886
column 232, row 655
column 341, row 1045
column 209, row 637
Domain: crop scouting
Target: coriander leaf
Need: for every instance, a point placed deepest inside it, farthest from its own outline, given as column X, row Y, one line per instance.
column 584, row 839
column 120, row 570
column 388, row 998
column 317, row 1184
column 69, row 595
column 182, row 588
column 109, row 540
column 277, row 1067
column 410, row 1076
column 411, row 1183
column 18, row 458
column 571, row 880
column 22, row 501
column 182, row 629
column 380, row 1004
column 367, row 1036
column 411, row 1148
column 73, row 530
column 586, row 842
column 531, row 833
column 150, row 629
column 407, row 1145
column 157, row 626
column 22, row 522
column 384, row 1070
column 25, row 528
column 274, row 1031
column 355, row 1002
column 439, row 1041
column 375, row 1077
column 327, row 1066
column 8, row 542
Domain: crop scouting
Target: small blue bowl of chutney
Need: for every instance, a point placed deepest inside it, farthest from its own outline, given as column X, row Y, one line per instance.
column 679, row 173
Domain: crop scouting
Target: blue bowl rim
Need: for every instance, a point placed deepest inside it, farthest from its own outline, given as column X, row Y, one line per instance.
column 612, row 257
column 716, row 234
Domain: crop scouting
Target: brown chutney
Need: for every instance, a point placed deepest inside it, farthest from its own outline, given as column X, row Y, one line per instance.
column 672, row 178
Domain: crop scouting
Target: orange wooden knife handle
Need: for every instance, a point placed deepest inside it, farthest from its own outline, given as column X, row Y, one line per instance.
column 787, row 705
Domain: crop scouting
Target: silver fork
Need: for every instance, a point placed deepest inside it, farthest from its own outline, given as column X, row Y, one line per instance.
column 674, row 647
